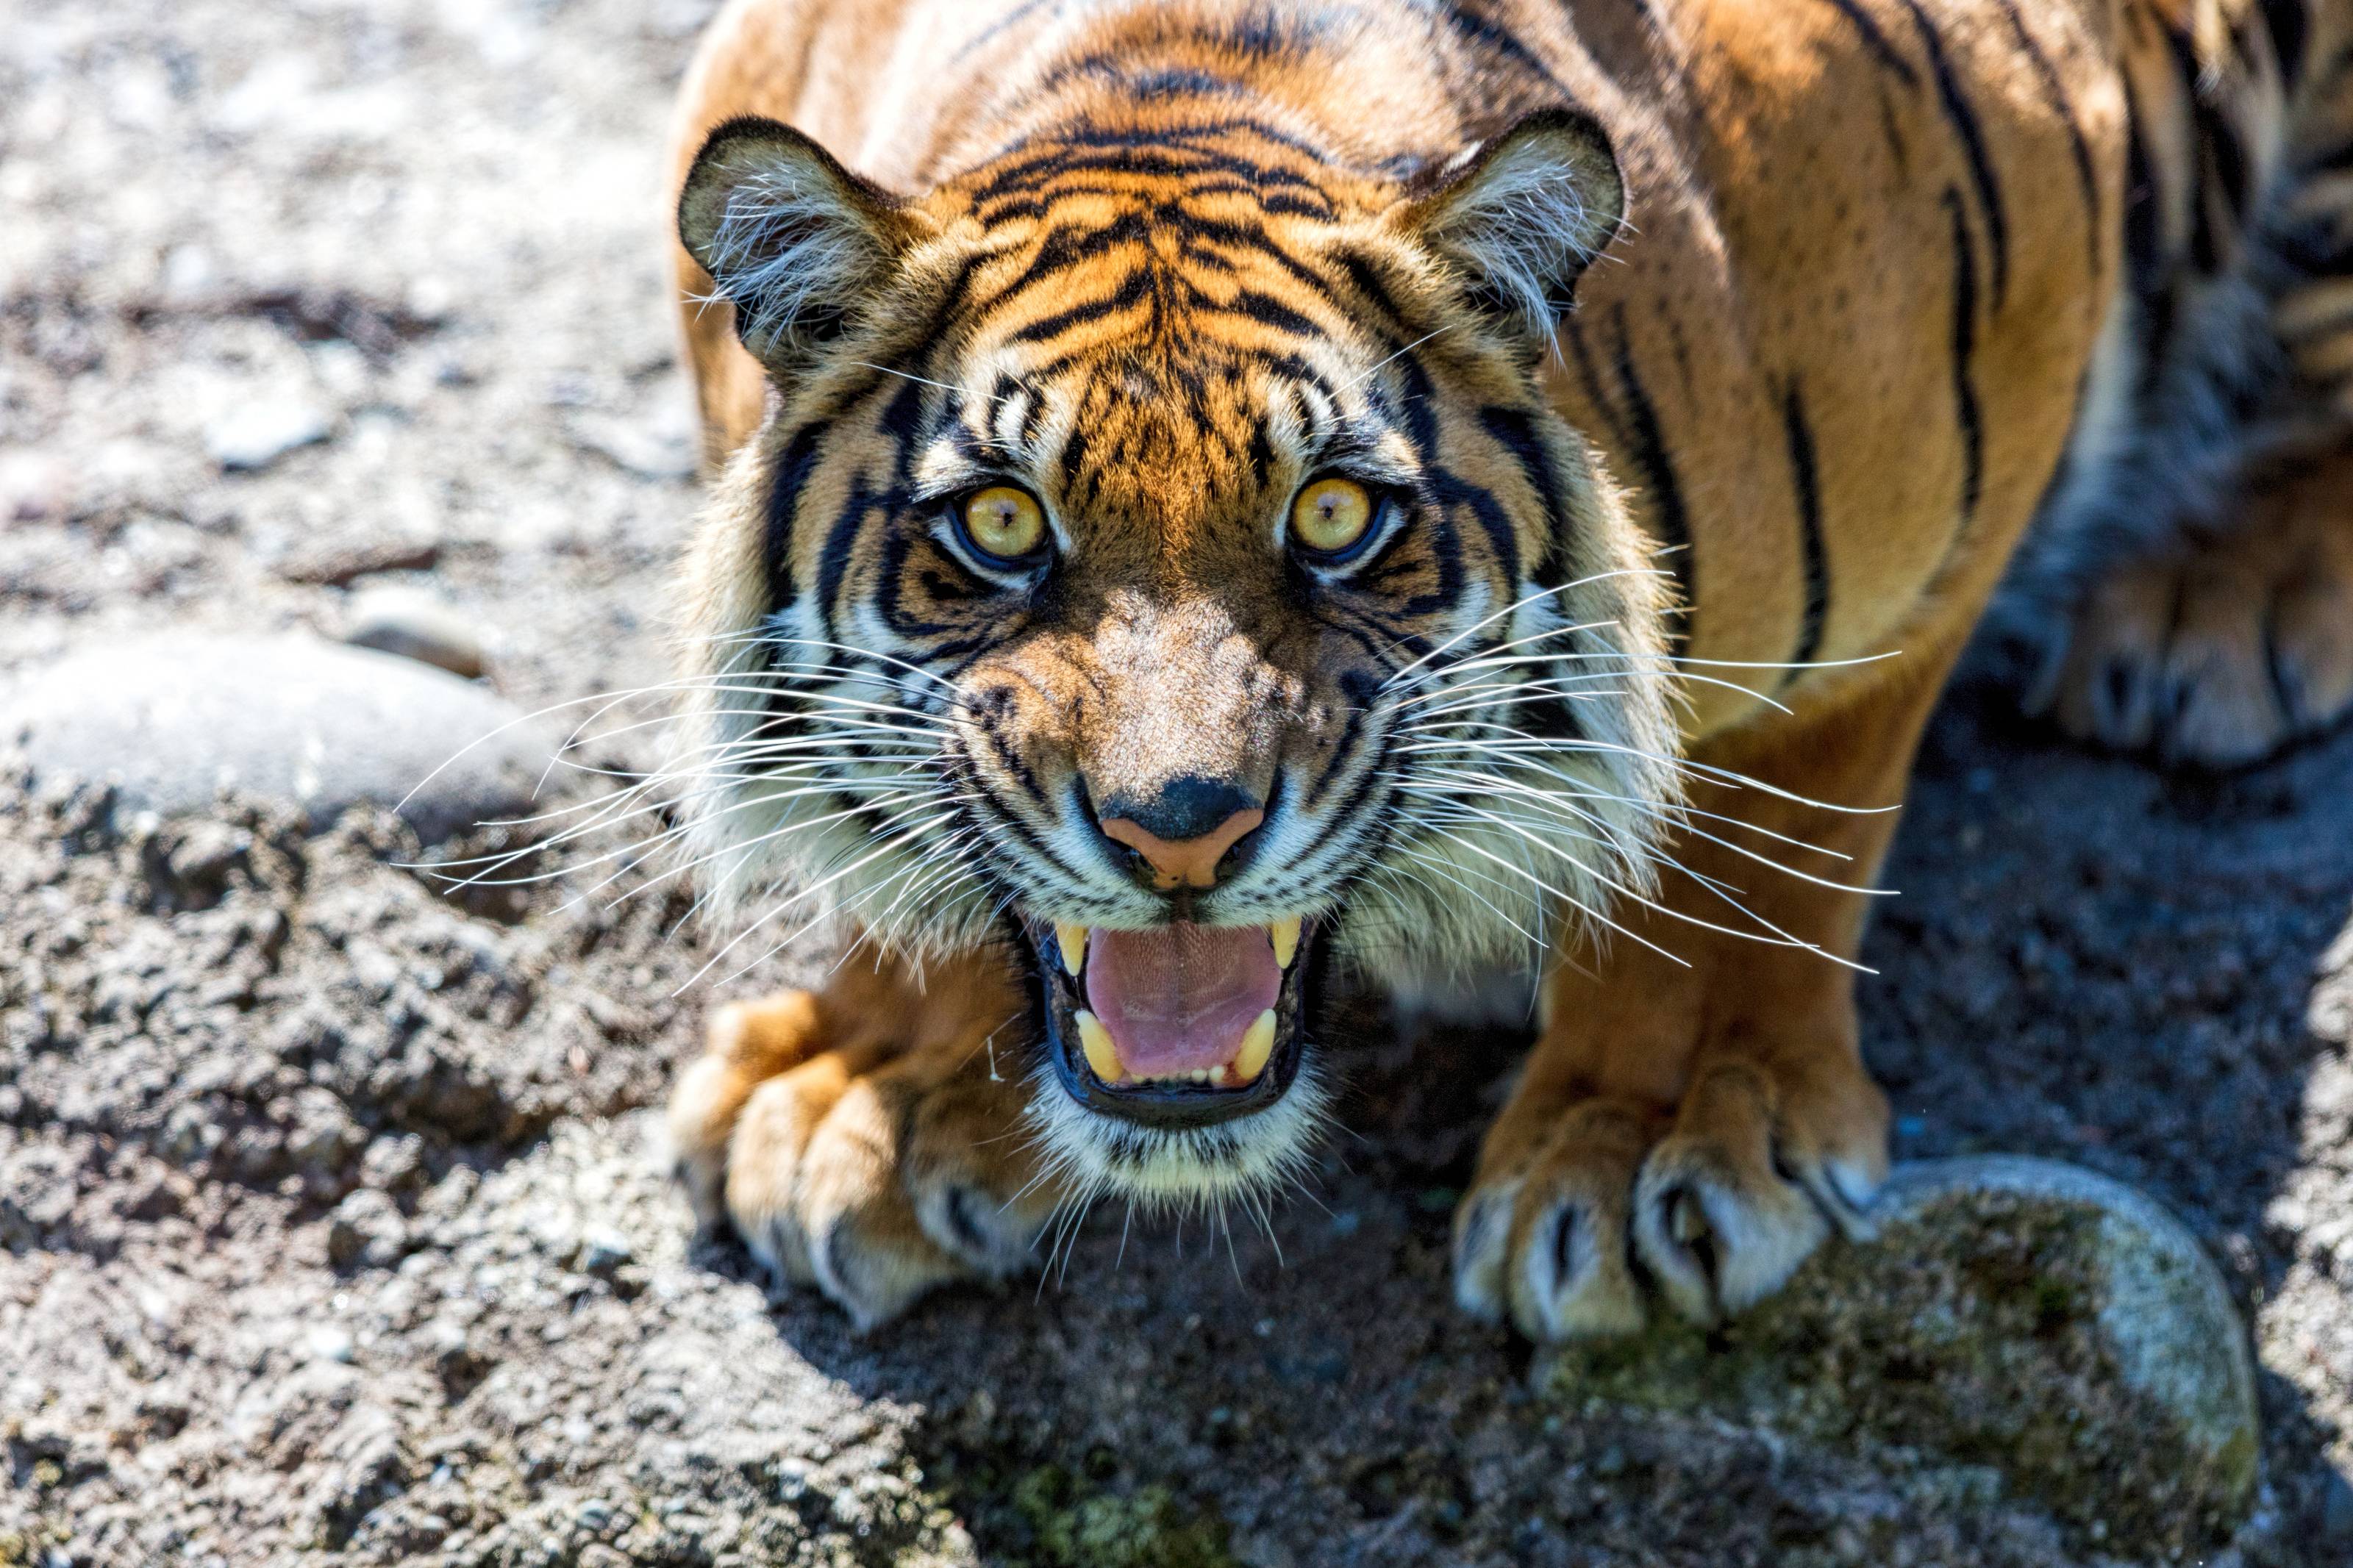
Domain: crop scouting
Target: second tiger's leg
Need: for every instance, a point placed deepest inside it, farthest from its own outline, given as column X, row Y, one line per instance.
column 2225, row 633
column 2234, row 642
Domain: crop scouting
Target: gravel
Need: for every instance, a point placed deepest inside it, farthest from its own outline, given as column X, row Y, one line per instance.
column 330, row 1230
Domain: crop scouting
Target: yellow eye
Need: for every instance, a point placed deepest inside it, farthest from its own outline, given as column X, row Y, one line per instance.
column 1330, row 515
column 1005, row 523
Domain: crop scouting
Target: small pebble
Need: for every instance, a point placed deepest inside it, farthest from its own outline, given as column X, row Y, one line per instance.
column 252, row 436
column 338, row 565
column 602, row 1250
column 416, row 624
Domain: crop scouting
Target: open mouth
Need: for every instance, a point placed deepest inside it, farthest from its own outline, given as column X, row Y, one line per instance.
column 1181, row 1024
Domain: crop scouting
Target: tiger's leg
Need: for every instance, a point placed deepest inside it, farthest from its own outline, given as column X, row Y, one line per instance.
column 1704, row 1119
column 2236, row 641
column 867, row 1138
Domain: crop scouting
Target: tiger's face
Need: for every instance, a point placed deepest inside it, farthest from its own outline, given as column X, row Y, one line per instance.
column 1165, row 554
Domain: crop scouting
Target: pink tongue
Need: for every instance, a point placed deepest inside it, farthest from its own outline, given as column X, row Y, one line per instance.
column 1180, row 998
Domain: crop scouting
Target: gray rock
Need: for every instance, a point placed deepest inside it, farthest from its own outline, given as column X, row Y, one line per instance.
column 174, row 719
column 2020, row 1327
column 414, row 625
column 253, row 436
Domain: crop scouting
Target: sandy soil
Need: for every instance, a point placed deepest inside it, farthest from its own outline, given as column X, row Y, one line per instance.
column 328, row 1229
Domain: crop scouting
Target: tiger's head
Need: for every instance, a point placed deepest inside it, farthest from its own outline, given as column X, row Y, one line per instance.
column 1160, row 553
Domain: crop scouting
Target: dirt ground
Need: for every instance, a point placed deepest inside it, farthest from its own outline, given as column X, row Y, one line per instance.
column 328, row 1229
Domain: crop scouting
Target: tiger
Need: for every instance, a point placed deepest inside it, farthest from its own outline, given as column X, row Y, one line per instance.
column 1213, row 502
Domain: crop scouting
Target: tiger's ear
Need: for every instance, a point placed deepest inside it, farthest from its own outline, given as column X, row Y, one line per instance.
column 1523, row 213
column 795, row 242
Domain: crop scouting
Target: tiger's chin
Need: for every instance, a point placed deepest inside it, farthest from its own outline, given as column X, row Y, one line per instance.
column 1179, row 1065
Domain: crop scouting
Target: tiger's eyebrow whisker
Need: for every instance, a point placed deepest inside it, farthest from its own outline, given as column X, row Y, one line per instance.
column 906, row 375
column 1383, row 364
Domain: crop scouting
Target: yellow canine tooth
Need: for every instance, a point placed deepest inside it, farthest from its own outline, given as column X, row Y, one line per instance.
column 1073, row 941
column 1102, row 1055
column 1285, row 937
column 1257, row 1047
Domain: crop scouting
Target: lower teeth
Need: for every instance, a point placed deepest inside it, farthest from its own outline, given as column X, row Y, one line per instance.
column 1199, row 1075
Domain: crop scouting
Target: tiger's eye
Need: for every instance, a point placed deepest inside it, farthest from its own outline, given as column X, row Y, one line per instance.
column 1005, row 522
column 1330, row 515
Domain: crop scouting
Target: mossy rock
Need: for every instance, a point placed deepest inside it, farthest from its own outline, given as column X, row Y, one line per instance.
column 2020, row 1328
column 1080, row 1526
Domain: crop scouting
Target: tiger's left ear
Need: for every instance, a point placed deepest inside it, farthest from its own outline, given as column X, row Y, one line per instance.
column 1523, row 213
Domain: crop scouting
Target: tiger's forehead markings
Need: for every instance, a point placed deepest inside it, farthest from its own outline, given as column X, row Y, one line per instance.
column 1223, row 156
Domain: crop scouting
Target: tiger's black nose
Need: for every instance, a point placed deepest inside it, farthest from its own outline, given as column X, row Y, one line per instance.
column 1185, row 831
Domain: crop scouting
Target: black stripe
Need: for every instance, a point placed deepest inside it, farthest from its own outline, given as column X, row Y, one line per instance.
column 1134, row 154
column 2054, row 92
column 1268, row 311
column 1964, row 122
column 2143, row 208
column 1142, row 81
column 840, row 546
column 1808, row 483
column 1573, row 327
column 2291, row 30
column 1363, row 691
column 1026, row 782
column 1516, row 433
column 793, row 470
column 1366, row 280
column 1965, row 348
column 996, row 28
column 899, row 420
column 1452, row 491
column 1876, row 41
column 2146, row 264
column 1648, row 452
column 1134, row 290
column 1490, row 34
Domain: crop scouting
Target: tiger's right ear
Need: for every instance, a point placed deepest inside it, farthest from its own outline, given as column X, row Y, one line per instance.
column 795, row 242
column 1521, row 216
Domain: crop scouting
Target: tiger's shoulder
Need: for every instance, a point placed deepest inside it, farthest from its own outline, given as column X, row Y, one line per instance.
column 1873, row 244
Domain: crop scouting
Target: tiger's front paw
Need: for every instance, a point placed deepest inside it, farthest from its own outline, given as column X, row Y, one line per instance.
column 874, row 1174
column 1586, row 1212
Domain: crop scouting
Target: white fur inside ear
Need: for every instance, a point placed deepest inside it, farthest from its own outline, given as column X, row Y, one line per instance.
column 1530, row 217
column 791, row 246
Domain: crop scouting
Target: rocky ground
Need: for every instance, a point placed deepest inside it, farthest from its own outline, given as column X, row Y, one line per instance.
column 328, row 1227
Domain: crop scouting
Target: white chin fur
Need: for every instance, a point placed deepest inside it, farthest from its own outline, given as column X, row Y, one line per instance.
column 1177, row 1168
